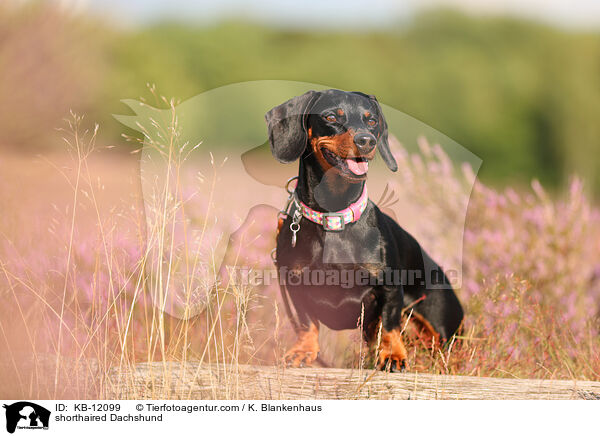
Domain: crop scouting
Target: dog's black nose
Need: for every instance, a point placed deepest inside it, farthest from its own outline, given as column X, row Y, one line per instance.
column 365, row 142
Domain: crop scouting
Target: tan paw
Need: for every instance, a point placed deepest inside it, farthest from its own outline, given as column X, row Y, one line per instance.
column 305, row 351
column 392, row 353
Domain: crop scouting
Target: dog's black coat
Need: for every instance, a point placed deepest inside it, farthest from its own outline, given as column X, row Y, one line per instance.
column 372, row 243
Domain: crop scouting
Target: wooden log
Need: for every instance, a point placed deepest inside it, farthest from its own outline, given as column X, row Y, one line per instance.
column 189, row 380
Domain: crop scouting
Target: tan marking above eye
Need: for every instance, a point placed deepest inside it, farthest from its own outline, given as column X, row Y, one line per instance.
column 367, row 114
column 340, row 112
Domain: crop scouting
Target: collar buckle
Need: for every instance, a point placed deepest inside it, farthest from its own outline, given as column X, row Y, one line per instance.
column 330, row 227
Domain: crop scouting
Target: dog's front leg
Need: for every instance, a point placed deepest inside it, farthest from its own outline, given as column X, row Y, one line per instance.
column 387, row 338
column 306, row 349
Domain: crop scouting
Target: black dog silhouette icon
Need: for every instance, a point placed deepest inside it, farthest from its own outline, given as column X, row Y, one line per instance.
column 26, row 415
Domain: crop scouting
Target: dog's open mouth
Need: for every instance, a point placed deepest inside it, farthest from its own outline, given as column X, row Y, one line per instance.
column 357, row 166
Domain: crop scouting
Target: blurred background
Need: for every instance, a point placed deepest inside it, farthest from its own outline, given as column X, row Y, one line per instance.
column 517, row 83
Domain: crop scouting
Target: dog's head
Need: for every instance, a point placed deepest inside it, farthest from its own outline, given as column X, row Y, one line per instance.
column 342, row 129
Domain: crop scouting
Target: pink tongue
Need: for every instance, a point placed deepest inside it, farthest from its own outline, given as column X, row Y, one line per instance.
column 358, row 168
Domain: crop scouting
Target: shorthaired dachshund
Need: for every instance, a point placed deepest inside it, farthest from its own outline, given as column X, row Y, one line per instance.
column 345, row 263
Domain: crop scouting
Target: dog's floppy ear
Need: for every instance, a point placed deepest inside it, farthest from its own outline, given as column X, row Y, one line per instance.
column 287, row 127
column 382, row 144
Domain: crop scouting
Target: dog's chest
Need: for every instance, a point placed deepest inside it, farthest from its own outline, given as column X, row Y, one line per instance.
column 358, row 244
column 330, row 272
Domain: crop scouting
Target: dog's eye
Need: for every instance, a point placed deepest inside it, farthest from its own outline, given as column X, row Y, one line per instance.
column 331, row 118
column 371, row 122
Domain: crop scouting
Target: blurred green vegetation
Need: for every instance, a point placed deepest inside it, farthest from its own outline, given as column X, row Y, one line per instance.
column 523, row 96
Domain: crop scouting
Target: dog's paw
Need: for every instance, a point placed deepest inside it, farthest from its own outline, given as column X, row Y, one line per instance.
column 299, row 358
column 306, row 349
column 392, row 364
column 392, row 354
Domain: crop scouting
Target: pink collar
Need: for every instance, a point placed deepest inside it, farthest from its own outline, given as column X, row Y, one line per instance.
column 336, row 221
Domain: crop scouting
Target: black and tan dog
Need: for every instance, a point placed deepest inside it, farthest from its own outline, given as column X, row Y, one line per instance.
column 333, row 228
